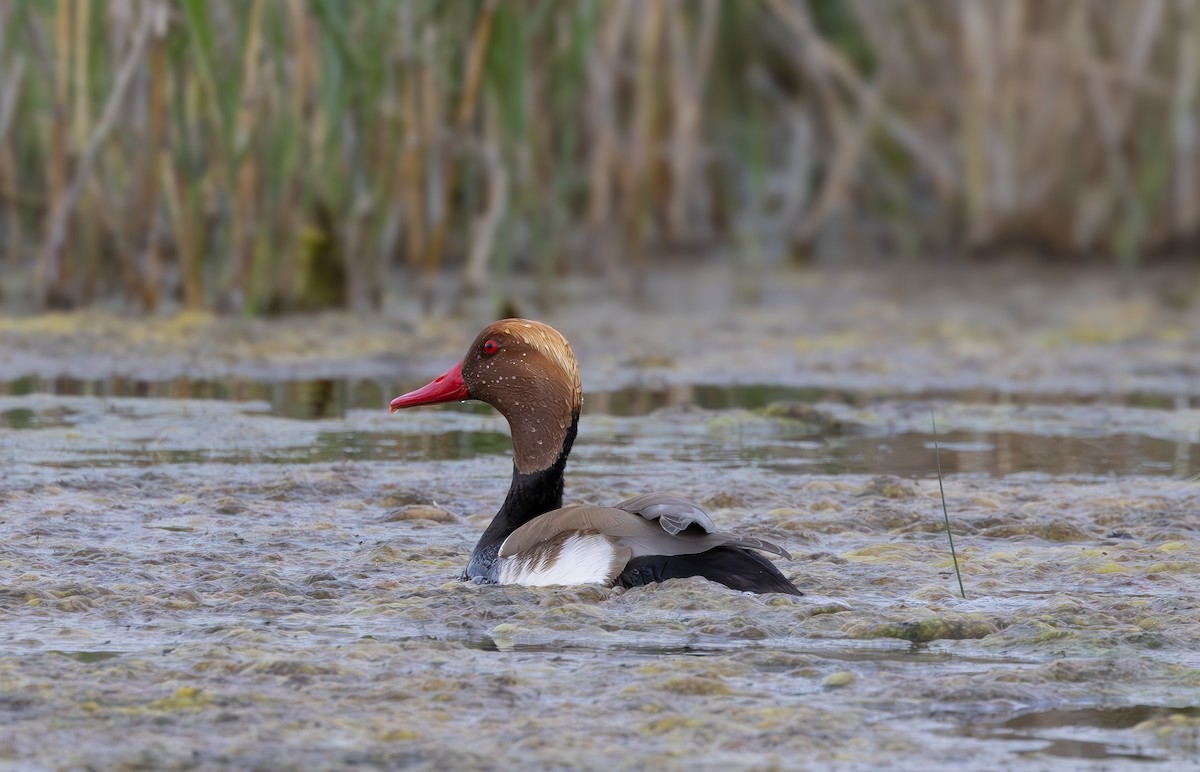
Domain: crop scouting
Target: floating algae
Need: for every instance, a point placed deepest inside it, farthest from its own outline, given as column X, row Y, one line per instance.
column 266, row 565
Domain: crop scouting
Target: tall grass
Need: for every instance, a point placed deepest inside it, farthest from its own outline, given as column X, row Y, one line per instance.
column 236, row 154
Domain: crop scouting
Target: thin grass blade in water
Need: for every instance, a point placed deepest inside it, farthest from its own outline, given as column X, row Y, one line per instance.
column 937, row 454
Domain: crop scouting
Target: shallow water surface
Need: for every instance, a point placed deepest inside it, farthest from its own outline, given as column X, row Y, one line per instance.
column 267, row 572
column 787, row 429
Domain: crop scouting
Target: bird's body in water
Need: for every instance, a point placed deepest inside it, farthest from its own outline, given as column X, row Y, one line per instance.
column 528, row 372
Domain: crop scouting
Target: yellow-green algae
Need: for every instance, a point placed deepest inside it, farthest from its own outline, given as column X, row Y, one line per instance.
column 268, row 616
column 212, row 611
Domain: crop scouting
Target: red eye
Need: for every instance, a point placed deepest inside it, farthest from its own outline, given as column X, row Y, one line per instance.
column 491, row 347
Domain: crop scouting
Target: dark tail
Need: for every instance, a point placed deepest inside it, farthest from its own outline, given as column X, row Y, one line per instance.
column 733, row 567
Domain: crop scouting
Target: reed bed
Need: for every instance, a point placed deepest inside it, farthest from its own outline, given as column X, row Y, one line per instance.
column 253, row 155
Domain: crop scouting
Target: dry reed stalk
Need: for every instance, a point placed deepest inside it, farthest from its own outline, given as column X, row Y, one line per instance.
column 143, row 277
column 1184, row 131
column 48, row 277
column 62, row 207
column 245, row 215
column 602, row 73
column 1017, row 98
column 977, row 60
column 304, row 85
column 437, row 193
column 185, row 230
column 156, row 109
column 411, row 167
column 1012, row 74
column 249, row 103
column 1108, row 117
column 10, row 94
column 1071, row 124
column 203, row 45
column 1055, row 58
column 483, row 240
column 821, row 59
column 690, row 71
column 304, row 130
column 476, row 56
column 464, row 115
column 1148, row 28
column 487, row 226
column 846, row 133
column 888, row 36
column 636, row 177
column 81, row 118
column 1119, row 120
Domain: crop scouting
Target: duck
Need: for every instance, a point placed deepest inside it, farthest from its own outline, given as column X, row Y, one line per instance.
column 528, row 372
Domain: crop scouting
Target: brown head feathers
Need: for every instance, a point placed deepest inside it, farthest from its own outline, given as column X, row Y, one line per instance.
column 528, row 372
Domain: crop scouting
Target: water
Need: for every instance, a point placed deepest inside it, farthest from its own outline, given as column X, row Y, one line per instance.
column 782, row 445
column 238, row 563
column 1099, row 734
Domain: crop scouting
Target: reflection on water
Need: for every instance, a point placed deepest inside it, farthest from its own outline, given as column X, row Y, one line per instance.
column 997, row 454
column 687, row 431
column 1102, row 718
column 329, row 398
column 331, row 447
column 1080, row 733
column 320, row 398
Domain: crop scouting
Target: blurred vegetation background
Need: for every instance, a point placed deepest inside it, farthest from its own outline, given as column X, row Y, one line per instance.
column 258, row 156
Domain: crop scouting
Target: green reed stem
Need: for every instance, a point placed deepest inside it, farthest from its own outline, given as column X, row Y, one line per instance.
column 937, row 454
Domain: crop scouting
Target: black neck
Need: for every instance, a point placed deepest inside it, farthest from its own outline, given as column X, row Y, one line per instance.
column 530, row 494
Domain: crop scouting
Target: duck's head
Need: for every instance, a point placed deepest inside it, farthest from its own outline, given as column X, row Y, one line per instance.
column 527, row 371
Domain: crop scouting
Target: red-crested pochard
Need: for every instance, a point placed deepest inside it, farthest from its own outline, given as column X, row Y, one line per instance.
column 527, row 371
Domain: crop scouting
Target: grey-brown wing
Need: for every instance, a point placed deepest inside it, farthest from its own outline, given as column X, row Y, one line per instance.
column 643, row 536
column 632, row 530
column 674, row 513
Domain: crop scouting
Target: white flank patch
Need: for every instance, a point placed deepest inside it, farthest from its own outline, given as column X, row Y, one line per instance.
column 584, row 559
